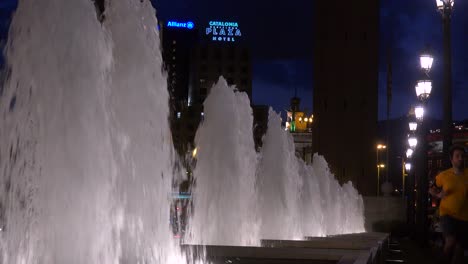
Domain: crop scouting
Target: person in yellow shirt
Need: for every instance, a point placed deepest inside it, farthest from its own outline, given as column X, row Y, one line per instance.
column 453, row 207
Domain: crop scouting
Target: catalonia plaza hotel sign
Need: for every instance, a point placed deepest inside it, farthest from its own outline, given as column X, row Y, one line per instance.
column 223, row 31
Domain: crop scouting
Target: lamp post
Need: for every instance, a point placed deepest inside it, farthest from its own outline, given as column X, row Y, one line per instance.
column 445, row 7
column 379, row 166
column 423, row 90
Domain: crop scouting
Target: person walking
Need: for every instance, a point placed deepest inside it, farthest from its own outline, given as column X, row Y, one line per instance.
column 453, row 208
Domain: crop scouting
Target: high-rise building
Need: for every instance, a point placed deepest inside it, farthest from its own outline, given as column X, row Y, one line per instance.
column 221, row 52
column 195, row 56
column 178, row 40
column 345, row 89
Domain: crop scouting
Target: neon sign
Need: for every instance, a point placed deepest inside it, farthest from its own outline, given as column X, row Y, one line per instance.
column 223, row 31
column 175, row 24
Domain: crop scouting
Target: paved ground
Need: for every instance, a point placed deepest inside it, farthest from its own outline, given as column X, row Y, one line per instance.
column 413, row 253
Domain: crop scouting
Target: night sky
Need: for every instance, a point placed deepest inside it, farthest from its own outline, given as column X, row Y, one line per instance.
column 280, row 34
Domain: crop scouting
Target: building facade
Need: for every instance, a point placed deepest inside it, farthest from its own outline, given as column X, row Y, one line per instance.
column 299, row 124
column 345, row 89
column 195, row 57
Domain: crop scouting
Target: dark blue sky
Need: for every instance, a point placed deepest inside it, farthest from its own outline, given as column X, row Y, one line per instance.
column 280, row 34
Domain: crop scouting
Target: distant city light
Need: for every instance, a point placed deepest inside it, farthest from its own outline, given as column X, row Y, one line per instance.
column 178, row 115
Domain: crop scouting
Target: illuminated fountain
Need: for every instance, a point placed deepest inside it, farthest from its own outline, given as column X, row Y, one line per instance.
column 85, row 148
column 86, row 156
column 242, row 197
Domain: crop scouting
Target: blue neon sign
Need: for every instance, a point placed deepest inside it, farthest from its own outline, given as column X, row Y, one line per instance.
column 223, row 31
column 175, row 24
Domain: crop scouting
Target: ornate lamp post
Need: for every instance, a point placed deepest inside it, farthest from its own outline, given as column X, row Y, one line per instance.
column 445, row 8
column 423, row 90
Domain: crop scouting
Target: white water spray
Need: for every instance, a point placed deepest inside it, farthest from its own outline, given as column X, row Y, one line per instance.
column 85, row 148
column 241, row 198
column 225, row 198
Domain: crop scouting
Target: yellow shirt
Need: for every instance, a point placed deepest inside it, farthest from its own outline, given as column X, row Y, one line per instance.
column 455, row 202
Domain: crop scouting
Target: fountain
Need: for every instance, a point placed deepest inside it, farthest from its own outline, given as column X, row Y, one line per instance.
column 241, row 197
column 225, row 198
column 85, row 149
column 86, row 157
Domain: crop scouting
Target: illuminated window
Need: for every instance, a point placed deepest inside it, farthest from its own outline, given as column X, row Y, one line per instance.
column 174, row 42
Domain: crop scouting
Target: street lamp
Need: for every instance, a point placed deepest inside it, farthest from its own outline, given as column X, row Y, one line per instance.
column 445, row 8
column 445, row 4
column 423, row 89
column 380, row 146
column 412, row 142
column 413, row 126
column 408, row 167
column 379, row 166
column 409, row 153
column 419, row 112
column 426, row 60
